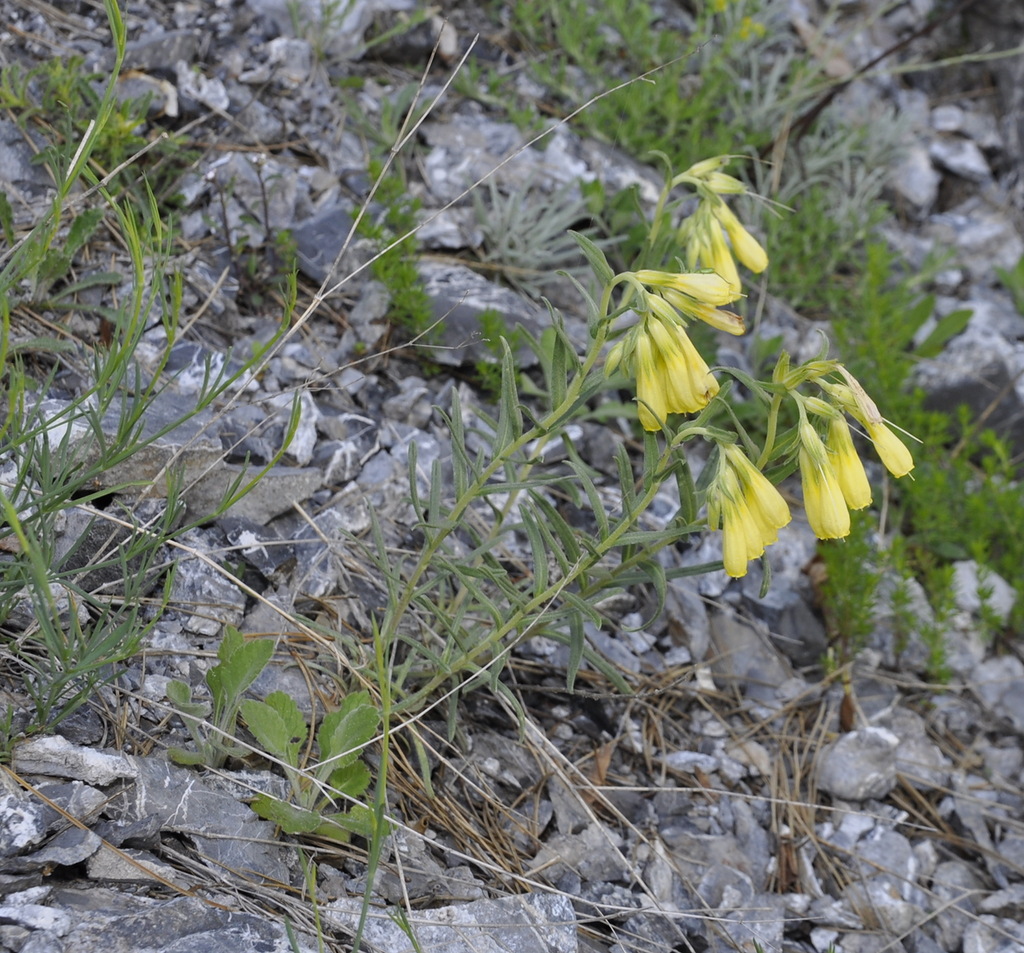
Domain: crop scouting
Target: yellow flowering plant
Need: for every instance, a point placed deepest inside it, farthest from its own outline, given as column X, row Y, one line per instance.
column 672, row 378
column 641, row 329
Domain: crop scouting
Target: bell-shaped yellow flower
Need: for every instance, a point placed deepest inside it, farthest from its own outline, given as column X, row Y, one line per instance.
column 744, row 246
column 720, row 320
column 671, row 376
column 741, row 538
column 715, row 255
column 849, row 469
column 824, row 501
column 750, row 509
column 765, row 501
column 892, row 451
column 699, row 287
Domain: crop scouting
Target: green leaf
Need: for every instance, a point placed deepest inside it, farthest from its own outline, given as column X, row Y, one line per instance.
column 345, row 732
column 577, row 643
column 510, row 418
column 6, row 218
column 687, row 490
column 352, row 780
column 241, row 662
column 948, row 327
column 291, row 819
column 461, row 464
column 595, row 256
column 359, row 821
column 82, row 229
column 180, row 695
column 917, row 315
column 538, row 551
column 278, row 725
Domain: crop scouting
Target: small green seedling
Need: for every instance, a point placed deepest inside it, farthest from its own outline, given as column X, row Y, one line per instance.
column 282, row 730
column 212, row 726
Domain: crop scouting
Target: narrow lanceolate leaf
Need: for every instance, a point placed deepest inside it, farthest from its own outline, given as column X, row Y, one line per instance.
column 597, row 505
column 642, row 537
column 687, row 490
column 950, row 326
column 6, row 218
column 577, row 642
column 414, row 493
column 537, row 550
column 566, row 542
column 462, row 466
column 595, row 257
column 557, row 356
column 435, row 511
column 510, row 418
column 626, row 481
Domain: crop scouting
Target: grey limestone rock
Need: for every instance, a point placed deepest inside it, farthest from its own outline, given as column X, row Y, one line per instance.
column 956, row 889
column 528, row 923
column 860, row 765
column 53, row 756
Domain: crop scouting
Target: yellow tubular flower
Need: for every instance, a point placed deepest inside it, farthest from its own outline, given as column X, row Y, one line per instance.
column 741, row 540
column 893, row 453
column 751, row 510
column 650, row 388
column 847, row 464
column 766, row 503
column 718, row 258
column 823, row 496
column 744, row 246
column 720, row 320
column 687, row 383
column 702, row 287
column 724, row 184
column 704, row 168
column 891, row 450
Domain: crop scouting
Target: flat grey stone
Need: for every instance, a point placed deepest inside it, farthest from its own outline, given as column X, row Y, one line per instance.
column 319, row 240
column 916, row 179
column 55, row 757
column 110, row 922
column 744, row 657
column 276, row 492
column 459, row 297
column 996, row 682
column 974, row 587
column 528, row 923
column 23, row 823
column 961, row 157
column 224, row 830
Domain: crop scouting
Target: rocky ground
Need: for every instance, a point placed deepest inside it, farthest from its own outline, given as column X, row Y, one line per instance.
column 732, row 799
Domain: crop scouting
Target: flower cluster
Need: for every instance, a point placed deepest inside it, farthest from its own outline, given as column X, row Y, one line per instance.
column 671, row 376
column 833, row 477
column 750, row 509
column 702, row 233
